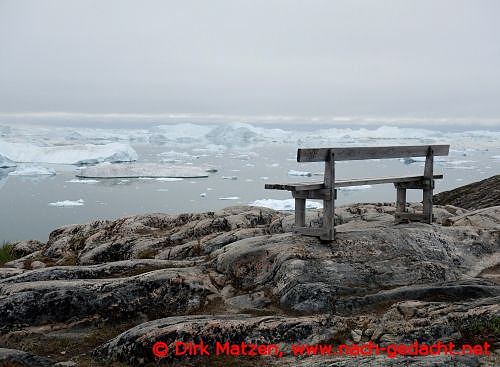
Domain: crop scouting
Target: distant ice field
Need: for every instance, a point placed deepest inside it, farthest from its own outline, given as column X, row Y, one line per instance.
column 54, row 175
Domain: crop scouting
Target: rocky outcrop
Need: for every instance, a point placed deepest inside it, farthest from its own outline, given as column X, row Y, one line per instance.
column 110, row 289
column 477, row 195
column 18, row 358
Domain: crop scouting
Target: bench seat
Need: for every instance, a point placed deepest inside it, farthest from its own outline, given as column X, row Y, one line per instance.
column 326, row 190
column 318, row 185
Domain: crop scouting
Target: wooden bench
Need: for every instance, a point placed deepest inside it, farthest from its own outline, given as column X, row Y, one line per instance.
column 326, row 190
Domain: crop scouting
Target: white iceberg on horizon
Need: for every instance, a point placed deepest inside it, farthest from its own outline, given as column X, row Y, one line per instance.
column 68, row 154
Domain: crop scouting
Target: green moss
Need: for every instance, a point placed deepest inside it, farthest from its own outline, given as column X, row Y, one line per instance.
column 478, row 330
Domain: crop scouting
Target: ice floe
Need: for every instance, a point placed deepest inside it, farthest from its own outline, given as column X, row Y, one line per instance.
column 299, row 173
column 173, row 156
column 142, row 170
column 26, row 170
column 83, row 181
column 286, row 204
column 230, row 198
column 66, row 203
column 355, row 188
column 68, row 154
column 169, row 179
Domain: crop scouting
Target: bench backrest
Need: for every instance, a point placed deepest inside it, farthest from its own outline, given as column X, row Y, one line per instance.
column 381, row 152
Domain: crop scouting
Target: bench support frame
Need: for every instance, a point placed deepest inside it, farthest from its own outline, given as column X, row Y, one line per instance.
column 327, row 190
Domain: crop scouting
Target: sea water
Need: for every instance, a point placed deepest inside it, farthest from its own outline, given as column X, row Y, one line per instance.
column 45, row 189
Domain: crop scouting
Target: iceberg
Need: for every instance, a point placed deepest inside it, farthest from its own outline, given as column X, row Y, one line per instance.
column 230, row 198
column 6, row 162
column 234, row 134
column 285, row 205
column 142, row 170
column 32, row 171
column 66, row 203
column 68, row 154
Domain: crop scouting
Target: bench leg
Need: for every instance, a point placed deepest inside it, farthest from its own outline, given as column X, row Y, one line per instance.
column 427, row 202
column 300, row 212
column 329, row 204
column 400, row 202
column 328, row 219
column 428, row 186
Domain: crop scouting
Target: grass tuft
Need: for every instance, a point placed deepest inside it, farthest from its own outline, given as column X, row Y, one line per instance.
column 6, row 253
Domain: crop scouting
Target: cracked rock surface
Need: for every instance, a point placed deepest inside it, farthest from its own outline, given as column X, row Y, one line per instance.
column 102, row 293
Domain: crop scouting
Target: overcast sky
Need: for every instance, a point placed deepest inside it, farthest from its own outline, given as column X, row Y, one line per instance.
column 282, row 57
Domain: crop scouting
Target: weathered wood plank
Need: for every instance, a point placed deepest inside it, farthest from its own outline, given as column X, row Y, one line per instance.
column 420, row 185
column 299, row 186
column 321, row 194
column 357, row 153
column 381, row 180
column 318, row 185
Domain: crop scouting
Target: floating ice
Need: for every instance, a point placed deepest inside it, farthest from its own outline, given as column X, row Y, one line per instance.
column 32, row 171
column 226, row 134
column 286, row 204
column 173, row 156
column 411, row 160
column 142, row 170
column 83, row 181
column 68, row 154
column 6, row 162
column 169, row 179
column 230, row 198
column 229, row 177
column 299, row 173
column 66, row 203
column 355, row 188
